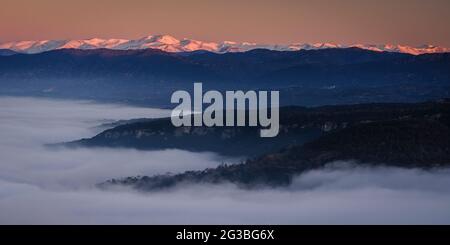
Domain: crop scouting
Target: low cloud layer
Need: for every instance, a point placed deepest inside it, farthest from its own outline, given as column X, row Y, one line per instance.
column 43, row 186
column 27, row 125
column 346, row 196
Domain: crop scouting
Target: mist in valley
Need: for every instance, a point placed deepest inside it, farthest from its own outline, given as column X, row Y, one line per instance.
column 47, row 185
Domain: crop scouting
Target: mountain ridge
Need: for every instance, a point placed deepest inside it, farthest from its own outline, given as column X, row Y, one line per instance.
column 7, row 52
column 171, row 44
column 406, row 136
column 305, row 77
column 297, row 126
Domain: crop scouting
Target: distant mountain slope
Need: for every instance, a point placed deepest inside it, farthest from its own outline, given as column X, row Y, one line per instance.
column 408, row 142
column 171, row 44
column 307, row 77
column 7, row 52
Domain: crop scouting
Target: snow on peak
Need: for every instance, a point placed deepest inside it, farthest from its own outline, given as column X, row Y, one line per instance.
column 171, row 44
column 167, row 39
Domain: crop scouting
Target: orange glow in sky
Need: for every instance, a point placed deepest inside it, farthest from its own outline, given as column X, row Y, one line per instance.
column 411, row 22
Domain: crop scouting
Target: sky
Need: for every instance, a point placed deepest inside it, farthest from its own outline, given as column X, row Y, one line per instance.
column 412, row 22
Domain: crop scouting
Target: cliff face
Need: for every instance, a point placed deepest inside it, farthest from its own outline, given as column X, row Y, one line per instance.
column 419, row 138
column 298, row 125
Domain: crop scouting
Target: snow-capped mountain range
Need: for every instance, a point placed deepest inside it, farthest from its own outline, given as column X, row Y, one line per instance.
column 171, row 44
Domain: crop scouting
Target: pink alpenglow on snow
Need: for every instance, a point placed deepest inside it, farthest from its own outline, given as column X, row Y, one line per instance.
column 171, row 44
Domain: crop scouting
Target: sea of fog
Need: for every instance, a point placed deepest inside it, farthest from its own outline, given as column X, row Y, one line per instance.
column 41, row 185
